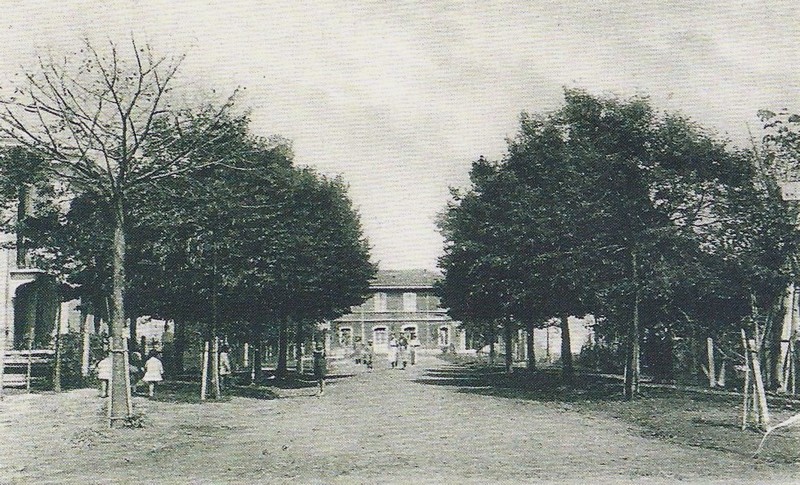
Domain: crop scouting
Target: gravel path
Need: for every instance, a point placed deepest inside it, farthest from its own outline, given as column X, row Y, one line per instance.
column 385, row 426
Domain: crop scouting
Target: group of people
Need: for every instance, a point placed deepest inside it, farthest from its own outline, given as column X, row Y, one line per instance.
column 400, row 353
column 151, row 372
column 365, row 355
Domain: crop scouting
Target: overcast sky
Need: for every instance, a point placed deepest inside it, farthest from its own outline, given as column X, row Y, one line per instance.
column 400, row 97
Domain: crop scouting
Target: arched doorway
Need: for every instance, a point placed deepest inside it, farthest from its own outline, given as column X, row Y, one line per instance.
column 35, row 314
column 380, row 339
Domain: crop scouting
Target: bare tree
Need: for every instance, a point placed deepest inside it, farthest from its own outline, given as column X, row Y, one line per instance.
column 104, row 123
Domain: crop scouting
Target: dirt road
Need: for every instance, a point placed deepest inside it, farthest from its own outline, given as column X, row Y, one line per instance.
column 419, row 425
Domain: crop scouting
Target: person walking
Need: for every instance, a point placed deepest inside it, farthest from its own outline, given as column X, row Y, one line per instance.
column 392, row 357
column 104, row 374
column 402, row 352
column 153, row 372
column 225, row 370
column 412, row 349
column 320, row 368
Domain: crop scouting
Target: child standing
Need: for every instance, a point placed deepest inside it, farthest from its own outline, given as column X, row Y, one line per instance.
column 104, row 374
column 320, row 368
column 153, row 371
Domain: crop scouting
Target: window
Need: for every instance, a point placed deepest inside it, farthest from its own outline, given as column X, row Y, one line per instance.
column 345, row 336
column 380, row 302
column 380, row 336
column 410, row 333
column 409, row 302
column 444, row 337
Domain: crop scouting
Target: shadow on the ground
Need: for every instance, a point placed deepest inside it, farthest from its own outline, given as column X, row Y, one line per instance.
column 189, row 392
column 688, row 416
column 301, row 381
column 542, row 385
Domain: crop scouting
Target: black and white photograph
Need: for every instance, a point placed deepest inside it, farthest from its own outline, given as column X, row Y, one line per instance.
column 399, row 242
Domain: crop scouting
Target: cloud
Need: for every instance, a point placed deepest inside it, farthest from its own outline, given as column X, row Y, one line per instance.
column 400, row 97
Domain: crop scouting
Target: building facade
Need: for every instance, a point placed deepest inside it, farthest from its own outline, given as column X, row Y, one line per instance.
column 401, row 303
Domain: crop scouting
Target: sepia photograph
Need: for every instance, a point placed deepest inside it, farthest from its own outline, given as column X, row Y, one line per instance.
column 405, row 242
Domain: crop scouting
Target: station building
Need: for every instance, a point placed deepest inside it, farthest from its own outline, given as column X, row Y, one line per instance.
column 402, row 302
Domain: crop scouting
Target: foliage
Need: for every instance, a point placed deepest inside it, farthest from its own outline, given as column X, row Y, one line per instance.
column 263, row 239
column 71, row 358
column 607, row 206
column 105, row 124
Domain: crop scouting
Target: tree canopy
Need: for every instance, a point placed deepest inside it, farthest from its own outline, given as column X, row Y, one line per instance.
column 176, row 209
column 609, row 207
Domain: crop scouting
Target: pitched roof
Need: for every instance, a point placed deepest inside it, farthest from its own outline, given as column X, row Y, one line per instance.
column 405, row 278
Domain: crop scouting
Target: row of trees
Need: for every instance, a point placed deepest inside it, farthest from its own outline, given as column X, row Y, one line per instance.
column 163, row 207
column 641, row 218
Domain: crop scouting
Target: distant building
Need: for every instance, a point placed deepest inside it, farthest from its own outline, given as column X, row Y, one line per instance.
column 402, row 303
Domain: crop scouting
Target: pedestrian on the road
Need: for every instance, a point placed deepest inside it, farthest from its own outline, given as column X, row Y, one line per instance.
column 224, row 366
column 368, row 354
column 153, row 372
column 358, row 352
column 135, row 363
column 320, row 368
column 392, row 357
column 104, row 374
column 412, row 349
column 402, row 354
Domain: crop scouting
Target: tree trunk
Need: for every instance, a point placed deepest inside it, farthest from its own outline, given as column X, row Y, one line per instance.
column 283, row 350
column 567, row 372
column 204, row 372
column 632, row 367
column 215, row 385
column 85, row 342
column 257, row 345
column 298, row 344
column 57, row 342
column 24, row 210
column 547, row 345
column 258, row 357
column 132, row 333
column 216, row 389
column 774, row 352
column 178, row 346
column 508, row 337
column 695, row 354
column 529, row 345
column 119, row 408
column 491, row 343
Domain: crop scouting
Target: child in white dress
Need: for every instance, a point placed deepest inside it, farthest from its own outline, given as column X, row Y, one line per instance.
column 153, row 371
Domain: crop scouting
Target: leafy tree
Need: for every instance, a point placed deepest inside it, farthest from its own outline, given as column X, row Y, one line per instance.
column 606, row 206
column 103, row 123
column 250, row 243
column 475, row 273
